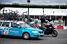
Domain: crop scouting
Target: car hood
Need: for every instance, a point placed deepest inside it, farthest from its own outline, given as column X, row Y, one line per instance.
column 35, row 29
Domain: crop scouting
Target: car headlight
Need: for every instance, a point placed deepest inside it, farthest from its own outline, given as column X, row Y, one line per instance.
column 34, row 31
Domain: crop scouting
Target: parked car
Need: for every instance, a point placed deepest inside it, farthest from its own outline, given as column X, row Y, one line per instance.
column 12, row 28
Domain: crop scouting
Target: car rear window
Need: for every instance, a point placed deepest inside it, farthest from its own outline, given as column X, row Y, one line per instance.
column 0, row 23
column 5, row 24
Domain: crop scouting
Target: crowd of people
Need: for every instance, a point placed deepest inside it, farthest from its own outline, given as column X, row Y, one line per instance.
column 37, row 22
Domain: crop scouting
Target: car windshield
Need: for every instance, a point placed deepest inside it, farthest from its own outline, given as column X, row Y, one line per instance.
column 24, row 25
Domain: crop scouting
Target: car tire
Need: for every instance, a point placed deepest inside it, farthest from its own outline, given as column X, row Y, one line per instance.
column 26, row 35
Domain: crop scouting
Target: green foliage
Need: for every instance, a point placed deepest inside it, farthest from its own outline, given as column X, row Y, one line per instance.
column 1, row 15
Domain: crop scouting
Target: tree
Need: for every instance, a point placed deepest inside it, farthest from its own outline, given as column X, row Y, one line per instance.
column 1, row 16
column 10, row 16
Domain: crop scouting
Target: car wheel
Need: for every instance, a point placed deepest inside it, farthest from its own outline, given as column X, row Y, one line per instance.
column 26, row 36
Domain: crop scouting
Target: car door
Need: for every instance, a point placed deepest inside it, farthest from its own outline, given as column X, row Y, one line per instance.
column 14, row 30
column 5, row 28
column 1, row 28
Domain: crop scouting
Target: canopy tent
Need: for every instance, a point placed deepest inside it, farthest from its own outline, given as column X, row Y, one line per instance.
column 37, row 11
column 55, row 12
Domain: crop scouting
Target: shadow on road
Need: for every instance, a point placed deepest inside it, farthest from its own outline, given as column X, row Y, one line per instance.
column 47, row 36
column 35, row 39
column 14, row 37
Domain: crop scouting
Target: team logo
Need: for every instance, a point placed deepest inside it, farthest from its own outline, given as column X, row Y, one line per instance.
column 5, row 32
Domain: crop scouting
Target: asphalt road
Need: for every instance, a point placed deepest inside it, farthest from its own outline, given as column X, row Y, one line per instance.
column 60, row 39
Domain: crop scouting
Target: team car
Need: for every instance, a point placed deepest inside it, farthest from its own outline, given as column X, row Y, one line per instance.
column 14, row 28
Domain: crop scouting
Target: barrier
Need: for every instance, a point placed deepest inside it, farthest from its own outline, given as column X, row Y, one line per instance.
column 59, row 27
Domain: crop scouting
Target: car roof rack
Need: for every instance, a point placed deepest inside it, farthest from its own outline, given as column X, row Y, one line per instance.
column 7, row 21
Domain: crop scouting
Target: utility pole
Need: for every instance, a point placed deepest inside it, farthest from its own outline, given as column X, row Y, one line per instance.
column 28, row 1
column 43, row 11
column 3, row 13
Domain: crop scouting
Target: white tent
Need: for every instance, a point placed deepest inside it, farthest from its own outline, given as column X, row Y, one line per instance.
column 38, row 11
column 55, row 12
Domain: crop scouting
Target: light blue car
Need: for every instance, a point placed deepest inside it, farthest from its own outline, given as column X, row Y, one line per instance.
column 23, row 30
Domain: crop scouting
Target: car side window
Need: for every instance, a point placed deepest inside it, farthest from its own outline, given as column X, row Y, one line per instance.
column 0, row 23
column 13, row 24
column 5, row 24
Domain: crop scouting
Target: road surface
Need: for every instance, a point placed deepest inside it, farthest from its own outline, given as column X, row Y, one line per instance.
column 60, row 39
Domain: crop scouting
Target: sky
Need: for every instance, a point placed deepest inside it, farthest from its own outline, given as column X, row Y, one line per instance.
column 43, row 2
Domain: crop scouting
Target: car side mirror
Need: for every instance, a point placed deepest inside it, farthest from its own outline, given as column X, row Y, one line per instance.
column 19, row 26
